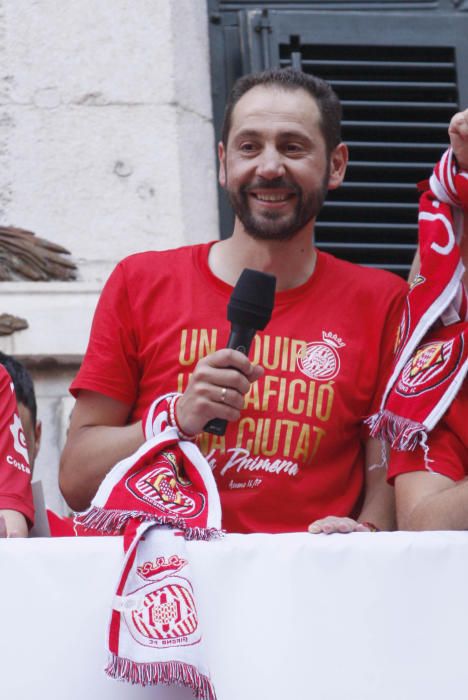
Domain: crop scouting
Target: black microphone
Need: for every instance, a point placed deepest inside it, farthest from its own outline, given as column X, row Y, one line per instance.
column 249, row 310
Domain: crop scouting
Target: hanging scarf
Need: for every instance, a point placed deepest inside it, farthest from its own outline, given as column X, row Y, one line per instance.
column 157, row 498
column 431, row 354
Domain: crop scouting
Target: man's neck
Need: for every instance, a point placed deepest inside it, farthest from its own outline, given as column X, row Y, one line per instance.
column 292, row 262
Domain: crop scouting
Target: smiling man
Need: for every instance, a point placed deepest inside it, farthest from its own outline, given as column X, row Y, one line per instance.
column 295, row 451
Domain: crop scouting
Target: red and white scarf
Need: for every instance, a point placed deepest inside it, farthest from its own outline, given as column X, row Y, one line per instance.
column 431, row 354
column 157, row 498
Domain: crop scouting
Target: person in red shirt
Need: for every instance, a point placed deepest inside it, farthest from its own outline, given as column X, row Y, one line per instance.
column 295, row 450
column 436, row 498
column 19, row 443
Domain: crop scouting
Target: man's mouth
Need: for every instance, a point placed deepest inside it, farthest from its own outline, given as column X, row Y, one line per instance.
column 272, row 197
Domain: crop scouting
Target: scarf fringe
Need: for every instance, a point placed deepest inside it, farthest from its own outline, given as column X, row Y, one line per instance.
column 113, row 522
column 161, row 672
column 203, row 533
column 402, row 433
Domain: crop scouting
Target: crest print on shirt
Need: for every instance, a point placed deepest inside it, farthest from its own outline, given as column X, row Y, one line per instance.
column 320, row 360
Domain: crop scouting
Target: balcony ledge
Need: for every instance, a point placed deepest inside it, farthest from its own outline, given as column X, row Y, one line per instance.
column 59, row 315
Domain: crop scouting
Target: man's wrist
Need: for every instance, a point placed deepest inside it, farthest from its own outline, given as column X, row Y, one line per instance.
column 370, row 526
column 460, row 165
column 174, row 421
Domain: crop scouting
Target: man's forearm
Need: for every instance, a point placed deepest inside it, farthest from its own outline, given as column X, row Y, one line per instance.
column 444, row 510
column 380, row 510
column 379, row 502
column 12, row 523
column 90, row 453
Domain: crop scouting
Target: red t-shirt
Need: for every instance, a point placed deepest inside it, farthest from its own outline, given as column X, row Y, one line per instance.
column 297, row 452
column 15, row 474
column 447, row 445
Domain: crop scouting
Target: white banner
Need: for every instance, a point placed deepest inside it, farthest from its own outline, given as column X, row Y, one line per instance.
column 378, row 616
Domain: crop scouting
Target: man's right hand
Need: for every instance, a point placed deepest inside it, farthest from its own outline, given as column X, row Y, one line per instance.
column 216, row 389
column 458, row 132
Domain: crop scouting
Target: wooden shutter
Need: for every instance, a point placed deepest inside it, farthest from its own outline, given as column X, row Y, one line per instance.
column 400, row 71
column 397, row 103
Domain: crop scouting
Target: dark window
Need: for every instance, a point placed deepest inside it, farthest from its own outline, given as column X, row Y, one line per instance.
column 398, row 74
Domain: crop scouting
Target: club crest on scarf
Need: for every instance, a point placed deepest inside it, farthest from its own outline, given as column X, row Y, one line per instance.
column 164, row 612
column 431, row 365
column 320, row 360
column 165, row 488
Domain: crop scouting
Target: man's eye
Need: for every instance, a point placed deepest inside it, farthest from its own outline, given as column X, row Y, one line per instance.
column 247, row 147
column 293, row 148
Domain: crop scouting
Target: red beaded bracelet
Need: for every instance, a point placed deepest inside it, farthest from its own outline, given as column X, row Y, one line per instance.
column 173, row 422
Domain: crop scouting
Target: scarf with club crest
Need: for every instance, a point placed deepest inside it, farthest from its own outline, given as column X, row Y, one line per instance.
column 431, row 353
column 157, row 498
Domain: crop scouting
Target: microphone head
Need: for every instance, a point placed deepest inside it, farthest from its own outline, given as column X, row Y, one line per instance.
column 252, row 300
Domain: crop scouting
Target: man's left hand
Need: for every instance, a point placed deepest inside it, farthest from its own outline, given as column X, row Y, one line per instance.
column 333, row 523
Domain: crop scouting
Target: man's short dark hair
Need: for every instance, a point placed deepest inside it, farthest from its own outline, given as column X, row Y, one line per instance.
column 24, row 387
column 291, row 79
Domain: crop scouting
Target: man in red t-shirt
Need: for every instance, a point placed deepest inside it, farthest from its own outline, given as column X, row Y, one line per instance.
column 295, row 451
column 16, row 504
column 431, row 484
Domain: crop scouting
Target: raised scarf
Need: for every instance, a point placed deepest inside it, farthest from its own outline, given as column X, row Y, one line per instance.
column 431, row 351
column 157, row 498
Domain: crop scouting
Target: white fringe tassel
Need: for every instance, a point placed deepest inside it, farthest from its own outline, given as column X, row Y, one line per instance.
column 113, row 522
column 167, row 673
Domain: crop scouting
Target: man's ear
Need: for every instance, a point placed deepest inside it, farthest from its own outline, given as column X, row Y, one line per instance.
column 222, row 164
column 338, row 162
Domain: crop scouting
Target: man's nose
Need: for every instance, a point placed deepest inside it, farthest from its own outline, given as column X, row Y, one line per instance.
column 270, row 164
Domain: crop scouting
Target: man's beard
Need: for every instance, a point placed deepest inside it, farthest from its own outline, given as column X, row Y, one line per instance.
column 274, row 226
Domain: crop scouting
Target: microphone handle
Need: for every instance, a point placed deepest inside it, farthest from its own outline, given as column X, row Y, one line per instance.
column 240, row 339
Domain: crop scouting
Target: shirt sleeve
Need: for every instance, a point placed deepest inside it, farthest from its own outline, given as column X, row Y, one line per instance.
column 110, row 365
column 447, row 445
column 445, row 454
column 15, row 472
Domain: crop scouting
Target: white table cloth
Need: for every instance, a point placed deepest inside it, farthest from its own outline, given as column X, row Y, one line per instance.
column 356, row 617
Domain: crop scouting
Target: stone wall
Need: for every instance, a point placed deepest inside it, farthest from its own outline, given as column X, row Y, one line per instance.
column 106, row 147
